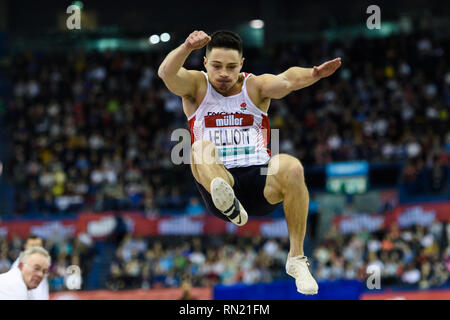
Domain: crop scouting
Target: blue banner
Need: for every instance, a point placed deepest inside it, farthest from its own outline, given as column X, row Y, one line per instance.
column 347, row 169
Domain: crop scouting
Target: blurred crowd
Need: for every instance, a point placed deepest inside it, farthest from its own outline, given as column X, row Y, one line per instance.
column 416, row 257
column 92, row 130
column 201, row 261
column 76, row 250
column 389, row 102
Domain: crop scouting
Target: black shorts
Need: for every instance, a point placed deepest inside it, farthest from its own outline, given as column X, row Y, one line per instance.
column 248, row 188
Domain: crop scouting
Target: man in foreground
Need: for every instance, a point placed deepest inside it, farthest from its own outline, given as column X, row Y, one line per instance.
column 17, row 283
column 42, row 291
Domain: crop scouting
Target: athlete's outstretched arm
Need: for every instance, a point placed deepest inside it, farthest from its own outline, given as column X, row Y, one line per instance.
column 180, row 81
column 295, row 78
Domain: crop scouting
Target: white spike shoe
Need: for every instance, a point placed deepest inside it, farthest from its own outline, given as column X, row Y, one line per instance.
column 224, row 199
column 297, row 267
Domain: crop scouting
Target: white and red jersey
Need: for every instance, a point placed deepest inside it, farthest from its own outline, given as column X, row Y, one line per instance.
column 238, row 128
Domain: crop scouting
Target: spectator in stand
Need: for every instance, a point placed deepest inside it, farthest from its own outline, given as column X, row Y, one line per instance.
column 194, row 207
column 438, row 177
column 414, row 176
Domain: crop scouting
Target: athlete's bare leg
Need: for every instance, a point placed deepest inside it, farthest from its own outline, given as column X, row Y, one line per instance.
column 288, row 185
column 206, row 164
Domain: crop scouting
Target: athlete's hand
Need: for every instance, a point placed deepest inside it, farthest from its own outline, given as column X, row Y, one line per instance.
column 326, row 69
column 197, row 40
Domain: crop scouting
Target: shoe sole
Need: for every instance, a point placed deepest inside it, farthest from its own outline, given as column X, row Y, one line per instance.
column 308, row 293
column 223, row 197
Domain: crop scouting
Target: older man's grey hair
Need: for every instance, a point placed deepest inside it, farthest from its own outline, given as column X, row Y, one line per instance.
column 32, row 250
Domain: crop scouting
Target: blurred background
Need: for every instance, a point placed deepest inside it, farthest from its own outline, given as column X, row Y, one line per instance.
column 85, row 127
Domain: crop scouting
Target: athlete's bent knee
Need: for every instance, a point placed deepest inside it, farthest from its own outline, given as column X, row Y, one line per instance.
column 203, row 152
column 295, row 172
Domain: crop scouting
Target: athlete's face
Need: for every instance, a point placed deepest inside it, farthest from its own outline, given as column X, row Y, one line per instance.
column 223, row 67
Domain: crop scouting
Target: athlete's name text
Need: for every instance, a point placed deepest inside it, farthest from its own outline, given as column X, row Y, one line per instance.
column 230, row 137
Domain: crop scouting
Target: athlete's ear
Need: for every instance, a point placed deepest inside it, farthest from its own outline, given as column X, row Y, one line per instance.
column 205, row 60
column 242, row 61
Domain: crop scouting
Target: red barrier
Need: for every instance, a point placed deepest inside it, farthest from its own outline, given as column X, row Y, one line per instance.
column 407, row 214
column 100, row 225
column 403, row 216
column 42, row 228
column 140, row 294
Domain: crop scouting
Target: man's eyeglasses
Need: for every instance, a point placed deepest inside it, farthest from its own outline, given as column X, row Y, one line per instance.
column 38, row 269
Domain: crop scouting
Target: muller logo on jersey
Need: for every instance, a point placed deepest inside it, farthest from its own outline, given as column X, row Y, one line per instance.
column 229, row 120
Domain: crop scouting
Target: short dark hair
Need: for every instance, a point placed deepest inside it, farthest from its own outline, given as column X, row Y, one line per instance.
column 31, row 237
column 225, row 39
